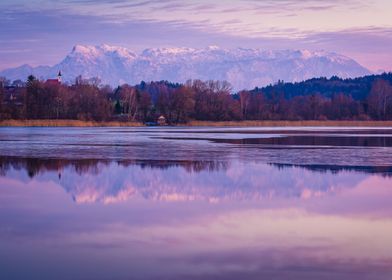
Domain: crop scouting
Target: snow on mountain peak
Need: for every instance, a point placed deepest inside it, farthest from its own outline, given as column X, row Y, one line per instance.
column 116, row 50
column 242, row 67
column 166, row 51
column 88, row 51
column 81, row 49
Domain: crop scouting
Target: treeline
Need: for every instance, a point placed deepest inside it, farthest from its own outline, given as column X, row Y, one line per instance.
column 366, row 98
column 34, row 166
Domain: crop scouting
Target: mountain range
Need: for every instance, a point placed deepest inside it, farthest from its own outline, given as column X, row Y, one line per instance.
column 243, row 68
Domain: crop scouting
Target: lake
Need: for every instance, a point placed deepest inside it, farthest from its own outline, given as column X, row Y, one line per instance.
column 196, row 203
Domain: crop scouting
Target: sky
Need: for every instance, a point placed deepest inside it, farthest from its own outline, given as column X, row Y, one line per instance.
column 42, row 32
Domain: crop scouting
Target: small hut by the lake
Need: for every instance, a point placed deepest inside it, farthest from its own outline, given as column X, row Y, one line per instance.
column 161, row 120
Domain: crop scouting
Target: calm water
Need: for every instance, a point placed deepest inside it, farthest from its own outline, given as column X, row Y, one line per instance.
column 195, row 203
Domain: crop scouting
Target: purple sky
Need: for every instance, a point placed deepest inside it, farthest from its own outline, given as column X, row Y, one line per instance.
column 40, row 32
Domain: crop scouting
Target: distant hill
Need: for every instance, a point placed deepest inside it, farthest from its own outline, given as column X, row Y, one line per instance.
column 357, row 88
column 243, row 68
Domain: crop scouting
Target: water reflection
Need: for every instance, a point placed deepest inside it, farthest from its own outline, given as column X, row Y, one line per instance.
column 107, row 181
column 321, row 140
column 34, row 166
column 323, row 168
column 106, row 204
column 251, row 221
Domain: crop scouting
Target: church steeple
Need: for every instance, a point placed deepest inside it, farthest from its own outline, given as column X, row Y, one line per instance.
column 59, row 77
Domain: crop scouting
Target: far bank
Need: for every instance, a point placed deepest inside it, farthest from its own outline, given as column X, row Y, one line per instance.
column 78, row 123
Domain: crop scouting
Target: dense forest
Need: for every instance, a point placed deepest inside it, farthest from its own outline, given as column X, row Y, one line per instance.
column 365, row 98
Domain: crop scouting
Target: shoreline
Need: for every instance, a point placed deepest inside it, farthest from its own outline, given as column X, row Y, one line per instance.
column 293, row 123
column 78, row 123
column 66, row 123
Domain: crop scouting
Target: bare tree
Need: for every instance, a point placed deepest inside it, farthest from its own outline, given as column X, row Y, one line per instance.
column 129, row 101
column 380, row 99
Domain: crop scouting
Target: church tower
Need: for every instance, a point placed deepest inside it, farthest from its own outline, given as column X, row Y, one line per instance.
column 59, row 77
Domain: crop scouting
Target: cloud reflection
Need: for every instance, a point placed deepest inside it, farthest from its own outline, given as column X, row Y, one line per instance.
column 254, row 242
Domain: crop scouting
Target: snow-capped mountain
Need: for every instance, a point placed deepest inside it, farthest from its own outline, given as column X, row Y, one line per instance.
column 243, row 68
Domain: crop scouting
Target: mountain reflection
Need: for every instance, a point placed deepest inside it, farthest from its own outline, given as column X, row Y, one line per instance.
column 94, row 180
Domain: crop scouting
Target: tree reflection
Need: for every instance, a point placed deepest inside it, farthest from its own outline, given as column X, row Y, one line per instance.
column 323, row 168
column 108, row 181
column 35, row 166
column 307, row 140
